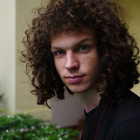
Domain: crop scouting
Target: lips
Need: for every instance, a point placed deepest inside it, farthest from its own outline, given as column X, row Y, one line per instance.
column 75, row 78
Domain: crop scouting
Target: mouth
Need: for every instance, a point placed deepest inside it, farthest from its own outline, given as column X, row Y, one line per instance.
column 74, row 76
column 75, row 79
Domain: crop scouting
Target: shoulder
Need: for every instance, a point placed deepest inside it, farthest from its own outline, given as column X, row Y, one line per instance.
column 129, row 126
column 129, row 129
column 131, row 103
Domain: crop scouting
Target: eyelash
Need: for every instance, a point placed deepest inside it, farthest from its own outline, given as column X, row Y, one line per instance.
column 78, row 49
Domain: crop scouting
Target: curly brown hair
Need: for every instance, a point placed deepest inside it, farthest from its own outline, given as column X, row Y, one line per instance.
column 117, row 49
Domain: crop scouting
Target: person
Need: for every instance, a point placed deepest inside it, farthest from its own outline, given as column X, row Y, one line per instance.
column 85, row 46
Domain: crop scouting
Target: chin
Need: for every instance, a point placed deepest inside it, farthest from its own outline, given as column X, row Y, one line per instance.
column 78, row 89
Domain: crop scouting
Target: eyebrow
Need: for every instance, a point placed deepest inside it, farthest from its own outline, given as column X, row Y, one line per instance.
column 76, row 44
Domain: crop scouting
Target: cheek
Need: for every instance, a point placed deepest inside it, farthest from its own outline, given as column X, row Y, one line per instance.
column 58, row 66
column 92, row 66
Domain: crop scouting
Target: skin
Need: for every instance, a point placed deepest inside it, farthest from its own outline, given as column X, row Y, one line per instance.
column 76, row 54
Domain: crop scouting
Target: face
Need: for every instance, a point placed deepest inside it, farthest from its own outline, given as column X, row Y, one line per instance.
column 76, row 60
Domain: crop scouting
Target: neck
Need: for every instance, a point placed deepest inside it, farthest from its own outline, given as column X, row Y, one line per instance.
column 90, row 99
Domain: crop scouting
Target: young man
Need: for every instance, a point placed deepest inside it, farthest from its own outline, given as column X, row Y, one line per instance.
column 85, row 46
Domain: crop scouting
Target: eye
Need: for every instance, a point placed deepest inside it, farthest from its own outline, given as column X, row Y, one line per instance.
column 83, row 47
column 59, row 52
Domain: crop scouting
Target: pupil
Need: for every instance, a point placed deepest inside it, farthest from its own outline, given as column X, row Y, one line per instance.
column 83, row 47
column 60, row 52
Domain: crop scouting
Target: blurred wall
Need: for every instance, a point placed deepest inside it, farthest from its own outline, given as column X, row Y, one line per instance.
column 7, row 51
column 67, row 112
column 15, row 15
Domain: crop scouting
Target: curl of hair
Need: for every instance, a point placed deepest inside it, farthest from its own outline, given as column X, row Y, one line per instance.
column 117, row 49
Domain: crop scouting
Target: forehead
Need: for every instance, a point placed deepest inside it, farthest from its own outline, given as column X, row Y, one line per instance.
column 71, row 38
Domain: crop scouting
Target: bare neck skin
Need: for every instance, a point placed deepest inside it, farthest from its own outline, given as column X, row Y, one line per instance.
column 90, row 99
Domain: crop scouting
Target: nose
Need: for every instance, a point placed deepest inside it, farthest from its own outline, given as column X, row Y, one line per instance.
column 71, row 61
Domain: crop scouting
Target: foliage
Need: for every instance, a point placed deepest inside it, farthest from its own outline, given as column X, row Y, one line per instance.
column 27, row 127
